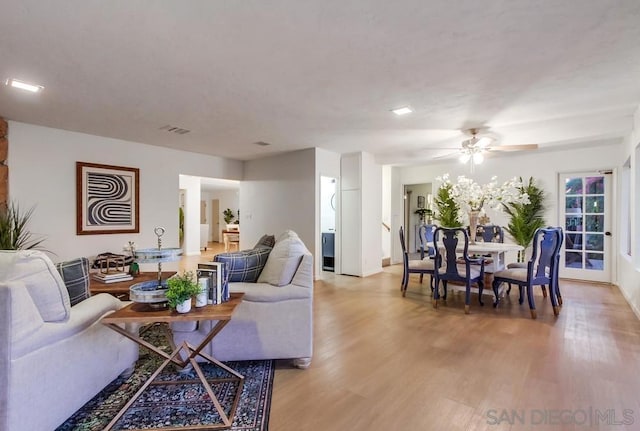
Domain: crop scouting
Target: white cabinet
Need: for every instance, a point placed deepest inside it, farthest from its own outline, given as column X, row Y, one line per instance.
column 361, row 215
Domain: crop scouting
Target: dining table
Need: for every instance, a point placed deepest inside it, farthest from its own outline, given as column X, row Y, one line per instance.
column 496, row 251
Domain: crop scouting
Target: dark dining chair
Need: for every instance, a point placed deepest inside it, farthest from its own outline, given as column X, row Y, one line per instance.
column 414, row 266
column 557, row 267
column 454, row 266
column 541, row 270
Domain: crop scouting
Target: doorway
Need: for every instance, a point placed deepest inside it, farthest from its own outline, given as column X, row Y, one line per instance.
column 418, row 202
column 585, row 214
column 215, row 220
column 328, row 200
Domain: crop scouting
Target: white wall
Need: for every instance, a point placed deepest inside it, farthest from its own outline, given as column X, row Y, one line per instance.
column 386, row 211
column 191, row 187
column 327, row 206
column 279, row 193
column 543, row 166
column 228, row 199
column 43, row 173
column 628, row 274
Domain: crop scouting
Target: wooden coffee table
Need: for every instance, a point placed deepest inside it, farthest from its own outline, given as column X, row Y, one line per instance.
column 142, row 314
column 121, row 289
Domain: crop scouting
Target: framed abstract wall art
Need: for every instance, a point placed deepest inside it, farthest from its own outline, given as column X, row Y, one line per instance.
column 107, row 199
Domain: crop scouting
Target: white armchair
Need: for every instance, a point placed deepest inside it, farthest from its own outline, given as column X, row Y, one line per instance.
column 53, row 357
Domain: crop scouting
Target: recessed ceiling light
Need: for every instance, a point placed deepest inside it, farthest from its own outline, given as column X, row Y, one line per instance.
column 34, row 88
column 402, row 111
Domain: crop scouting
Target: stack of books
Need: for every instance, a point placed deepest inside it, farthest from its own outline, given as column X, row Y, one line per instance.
column 111, row 277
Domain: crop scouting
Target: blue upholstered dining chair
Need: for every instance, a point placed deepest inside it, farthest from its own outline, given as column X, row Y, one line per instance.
column 422, row 266
column 454, row 266
column 540, row 270
column 488, row 233
column 557, row 267
column 425, row 234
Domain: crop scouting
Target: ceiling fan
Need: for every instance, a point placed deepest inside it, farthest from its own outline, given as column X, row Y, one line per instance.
column 473, row 149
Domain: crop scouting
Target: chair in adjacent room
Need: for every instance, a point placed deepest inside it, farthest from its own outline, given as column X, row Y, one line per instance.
column 490, row 233
column 541, row 269
column 425, row 234
column 422, row 266
column 461, row 269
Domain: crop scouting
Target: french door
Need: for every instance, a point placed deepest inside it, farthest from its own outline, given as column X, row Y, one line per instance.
column 585, row 214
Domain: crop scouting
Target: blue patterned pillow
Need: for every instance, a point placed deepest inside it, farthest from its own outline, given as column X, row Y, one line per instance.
column 244, row 265
column 266, row 241
column 75, row 274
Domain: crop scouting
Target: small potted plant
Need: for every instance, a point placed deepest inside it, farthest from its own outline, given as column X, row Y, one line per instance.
column 180, row 289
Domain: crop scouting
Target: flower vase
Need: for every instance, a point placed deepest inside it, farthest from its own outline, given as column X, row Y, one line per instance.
column 184, row 307
column 473, row 226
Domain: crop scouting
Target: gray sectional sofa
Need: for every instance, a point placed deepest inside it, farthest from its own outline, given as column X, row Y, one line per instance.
column 275, row 319
column 54, row 357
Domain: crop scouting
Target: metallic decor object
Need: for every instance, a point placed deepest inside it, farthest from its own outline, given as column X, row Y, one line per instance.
column 153, row 292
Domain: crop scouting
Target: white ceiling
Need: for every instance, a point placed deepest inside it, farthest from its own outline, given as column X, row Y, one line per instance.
column 325, row 73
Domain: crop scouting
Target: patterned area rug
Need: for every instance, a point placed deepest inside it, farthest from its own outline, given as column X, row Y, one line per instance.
column 178, row 405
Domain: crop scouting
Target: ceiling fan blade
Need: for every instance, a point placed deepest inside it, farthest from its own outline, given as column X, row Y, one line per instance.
column 446, row 156
column 483, row 142
column 514, row 147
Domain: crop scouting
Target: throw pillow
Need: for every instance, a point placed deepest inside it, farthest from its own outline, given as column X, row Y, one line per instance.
column 75, row 274
column 244, row 265
column 284, row 260
column 266, row 241
column 38, row 274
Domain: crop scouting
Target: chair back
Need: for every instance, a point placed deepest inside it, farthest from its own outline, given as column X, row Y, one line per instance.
column 545, row 254
column 425, row 232
column 490, row 233
column 445, row 242
column 405, row 255
column 557, row 259
column 402, row 243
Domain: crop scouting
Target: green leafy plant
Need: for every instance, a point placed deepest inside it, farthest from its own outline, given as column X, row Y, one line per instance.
column 447, row 210
column 181, row 224
column 228, row 215
column 526, row 218
column 181, row 287
column 14, row 234
column 422, row 212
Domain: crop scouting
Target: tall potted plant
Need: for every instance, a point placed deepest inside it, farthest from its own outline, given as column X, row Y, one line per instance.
column 14, row 234
column 447, row 210
column 526, row 218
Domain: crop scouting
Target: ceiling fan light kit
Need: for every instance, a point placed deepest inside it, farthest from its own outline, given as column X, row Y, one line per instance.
column 473, row 149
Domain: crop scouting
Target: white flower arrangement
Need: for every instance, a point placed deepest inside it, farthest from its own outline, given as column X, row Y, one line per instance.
column 471, row 196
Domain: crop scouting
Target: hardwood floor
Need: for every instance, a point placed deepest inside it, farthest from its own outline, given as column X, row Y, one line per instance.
column 189, row 263
column 383, row 362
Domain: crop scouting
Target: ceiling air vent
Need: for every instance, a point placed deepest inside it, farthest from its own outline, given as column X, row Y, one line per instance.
column 262, row 144
column 174, row 129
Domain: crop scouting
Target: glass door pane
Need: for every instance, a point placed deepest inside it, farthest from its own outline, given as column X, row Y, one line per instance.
column 585, row 226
